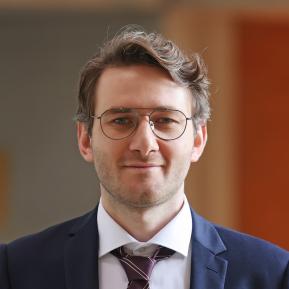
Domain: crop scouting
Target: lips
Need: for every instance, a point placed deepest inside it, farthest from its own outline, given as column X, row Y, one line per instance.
column 136, row 164
column 142, row 165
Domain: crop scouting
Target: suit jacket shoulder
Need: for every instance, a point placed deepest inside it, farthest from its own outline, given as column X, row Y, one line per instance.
column 251, row 256
column 41, row 256
column 66, row 256
column 224, row 258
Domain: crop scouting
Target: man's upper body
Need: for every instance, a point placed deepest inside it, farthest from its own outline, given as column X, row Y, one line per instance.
column 143, row 107
column 66, row 257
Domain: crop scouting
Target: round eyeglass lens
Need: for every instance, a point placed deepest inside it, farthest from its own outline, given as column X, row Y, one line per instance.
column 168, row 124
column 117, row 124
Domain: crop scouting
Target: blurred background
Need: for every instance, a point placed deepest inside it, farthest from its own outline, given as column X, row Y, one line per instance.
column 242, row 179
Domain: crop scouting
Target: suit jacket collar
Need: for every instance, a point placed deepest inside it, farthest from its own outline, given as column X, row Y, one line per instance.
column 208, row 268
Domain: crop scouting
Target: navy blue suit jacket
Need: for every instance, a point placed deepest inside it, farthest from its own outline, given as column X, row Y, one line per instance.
column 66, row 257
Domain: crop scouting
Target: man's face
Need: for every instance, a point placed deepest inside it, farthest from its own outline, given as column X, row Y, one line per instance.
column 141, row 170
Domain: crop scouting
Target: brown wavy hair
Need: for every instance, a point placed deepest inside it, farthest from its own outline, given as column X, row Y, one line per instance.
column 132, row 45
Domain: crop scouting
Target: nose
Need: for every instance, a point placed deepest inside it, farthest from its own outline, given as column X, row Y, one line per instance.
column 143, row 140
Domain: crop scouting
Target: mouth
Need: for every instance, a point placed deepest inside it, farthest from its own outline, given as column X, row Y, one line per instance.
column 142, row 166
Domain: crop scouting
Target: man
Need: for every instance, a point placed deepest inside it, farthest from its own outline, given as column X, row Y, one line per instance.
column 141, row 121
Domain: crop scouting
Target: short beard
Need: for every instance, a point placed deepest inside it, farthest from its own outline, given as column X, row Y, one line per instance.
column 143, row 202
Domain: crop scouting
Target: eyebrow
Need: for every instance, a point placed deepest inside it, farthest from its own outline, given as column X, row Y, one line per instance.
column 128, row 109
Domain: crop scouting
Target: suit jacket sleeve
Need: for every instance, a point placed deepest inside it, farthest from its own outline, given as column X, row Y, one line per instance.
column 4, row 280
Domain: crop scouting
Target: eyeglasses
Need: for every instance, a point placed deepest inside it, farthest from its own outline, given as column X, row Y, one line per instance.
column 165, row 123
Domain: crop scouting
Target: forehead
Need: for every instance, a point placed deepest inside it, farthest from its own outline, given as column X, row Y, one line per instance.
column 139, row 86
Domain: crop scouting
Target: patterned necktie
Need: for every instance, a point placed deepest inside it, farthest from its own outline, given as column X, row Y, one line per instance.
column 139, row 268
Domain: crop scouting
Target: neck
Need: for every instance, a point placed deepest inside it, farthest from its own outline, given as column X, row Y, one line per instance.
column 143, row 223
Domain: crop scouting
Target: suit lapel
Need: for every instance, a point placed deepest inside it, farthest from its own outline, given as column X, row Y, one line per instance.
column 81, row 254
column 208, row 270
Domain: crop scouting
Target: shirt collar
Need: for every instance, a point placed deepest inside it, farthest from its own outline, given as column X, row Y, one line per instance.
column 176, row 235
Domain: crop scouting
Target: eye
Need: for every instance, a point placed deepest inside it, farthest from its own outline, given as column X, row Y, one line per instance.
column 122, row 121
column 164, row 120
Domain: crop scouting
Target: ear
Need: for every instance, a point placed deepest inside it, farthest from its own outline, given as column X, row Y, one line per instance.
column 199, row 142
column 84, row 142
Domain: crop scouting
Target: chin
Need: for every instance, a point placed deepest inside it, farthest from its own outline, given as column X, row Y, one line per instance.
column 143, row 204
column 146, row 199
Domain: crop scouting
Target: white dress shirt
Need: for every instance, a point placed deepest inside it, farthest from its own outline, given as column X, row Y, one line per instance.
column 171, row 273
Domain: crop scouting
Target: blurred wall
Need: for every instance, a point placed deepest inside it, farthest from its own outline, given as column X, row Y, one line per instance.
column 263, row 98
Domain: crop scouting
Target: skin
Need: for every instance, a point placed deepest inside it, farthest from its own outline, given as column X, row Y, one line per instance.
column 141, row 177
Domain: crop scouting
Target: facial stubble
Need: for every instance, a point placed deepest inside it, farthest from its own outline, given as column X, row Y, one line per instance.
column 140, row 196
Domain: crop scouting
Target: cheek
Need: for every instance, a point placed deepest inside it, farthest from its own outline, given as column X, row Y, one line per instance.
column 171, row 151
column 178, row 147
column 166, row 149
column 177, row 153
column 108, row 152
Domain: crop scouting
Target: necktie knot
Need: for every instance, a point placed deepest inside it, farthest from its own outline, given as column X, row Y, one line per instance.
column 139, row 268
